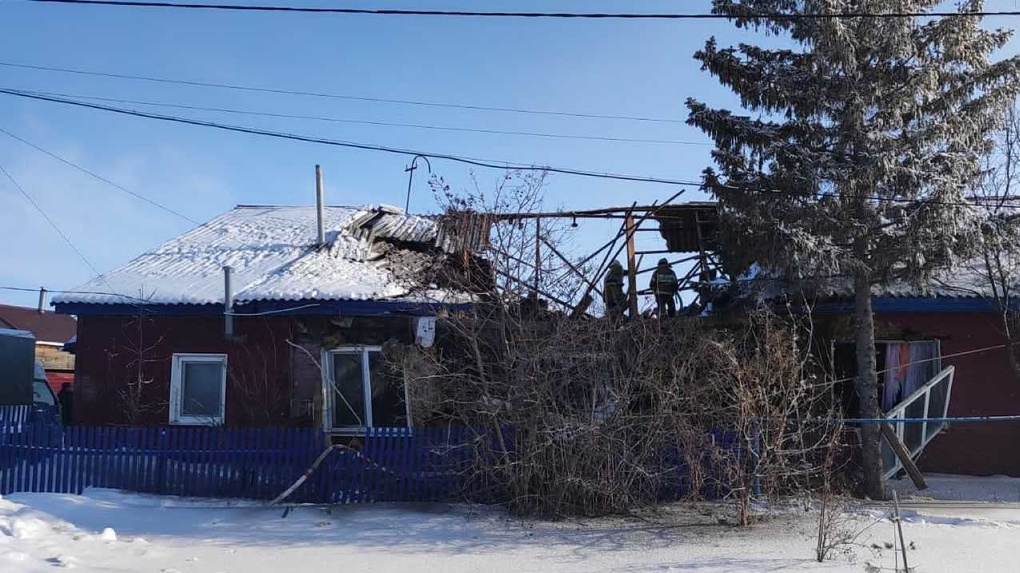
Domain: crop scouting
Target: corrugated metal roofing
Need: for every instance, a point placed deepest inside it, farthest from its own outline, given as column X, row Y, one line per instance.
column 965, row 280
column 272, row 256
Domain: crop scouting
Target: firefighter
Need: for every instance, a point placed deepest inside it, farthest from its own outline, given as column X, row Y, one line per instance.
column 664, row 285
column 612, row 291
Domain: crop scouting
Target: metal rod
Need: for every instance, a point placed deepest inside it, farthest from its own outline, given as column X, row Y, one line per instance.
column 519, row 281
column 899, row 530
column 319, row 207
column 228, row 305
column 621, row 212
column 659, row 252
column 600, row 269
column 410, row 177
column 676, row 262
column 568, row 263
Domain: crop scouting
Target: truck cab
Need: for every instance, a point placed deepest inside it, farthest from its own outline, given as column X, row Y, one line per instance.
column 23, row 378
column 42, row 394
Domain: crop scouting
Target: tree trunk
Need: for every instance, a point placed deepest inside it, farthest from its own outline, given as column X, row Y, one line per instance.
column 1006, row 320
column 867, row 390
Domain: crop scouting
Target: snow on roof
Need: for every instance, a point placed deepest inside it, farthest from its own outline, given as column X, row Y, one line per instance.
column 964, row 280
column 272, row 255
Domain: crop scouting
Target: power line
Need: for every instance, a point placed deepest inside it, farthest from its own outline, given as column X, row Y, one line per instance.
column 492, row 164
column 372, row 122
column 487, row 163
column 566, row 15
column 59, row 291
column 52, row 223
column 281, row 91
column 99, row 177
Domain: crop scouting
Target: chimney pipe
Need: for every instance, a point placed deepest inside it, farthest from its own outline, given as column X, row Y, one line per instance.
column 42, row 299
column 319, row 200
column 228, row 306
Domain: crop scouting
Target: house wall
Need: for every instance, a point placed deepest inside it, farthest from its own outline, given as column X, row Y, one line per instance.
column 111, row 349
column 273, row 366
column 315, row 334
column 984, row 385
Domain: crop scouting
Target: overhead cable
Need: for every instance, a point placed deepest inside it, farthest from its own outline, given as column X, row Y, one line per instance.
column 349, row 97
column 501, row 14
column 351, row 144
column 52, row 223
column 99, row 177
column 478, row 162
column 372, row 122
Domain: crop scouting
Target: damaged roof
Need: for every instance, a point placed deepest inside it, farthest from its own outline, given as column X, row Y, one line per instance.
column 273, row 256
column 688, row 227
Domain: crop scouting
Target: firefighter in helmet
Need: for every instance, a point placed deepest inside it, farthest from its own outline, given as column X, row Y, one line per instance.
column 612, row 291
column 664, row 285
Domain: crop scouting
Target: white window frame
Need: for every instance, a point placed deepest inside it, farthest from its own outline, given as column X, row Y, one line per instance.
column 176, row 380
column 328, row 393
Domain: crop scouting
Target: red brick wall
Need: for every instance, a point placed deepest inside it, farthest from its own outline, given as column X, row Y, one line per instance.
column 984, row 385
column 259, row 384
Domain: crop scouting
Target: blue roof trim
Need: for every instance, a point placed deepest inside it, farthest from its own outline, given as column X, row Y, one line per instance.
column 266, row 308
column 907, row 304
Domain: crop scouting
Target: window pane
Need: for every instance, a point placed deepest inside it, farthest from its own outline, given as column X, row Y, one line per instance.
column 201, row 387
column 388, row 407
column 348, row 392
column 41, row 394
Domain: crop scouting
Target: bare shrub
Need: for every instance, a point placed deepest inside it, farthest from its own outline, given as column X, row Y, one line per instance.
column 578, row 416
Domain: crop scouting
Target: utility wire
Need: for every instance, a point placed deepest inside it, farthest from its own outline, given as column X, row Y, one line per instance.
column 493, row 164
column 58, row 291
column 372, row 122
column 99, row 177
column 566, row 15
column 53, row 224
column 281, row 91
column 487, row 163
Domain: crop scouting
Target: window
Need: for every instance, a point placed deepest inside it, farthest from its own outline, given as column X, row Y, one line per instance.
column 902, row 367
column 198, row 385
column 362, row 391
column 41, row 394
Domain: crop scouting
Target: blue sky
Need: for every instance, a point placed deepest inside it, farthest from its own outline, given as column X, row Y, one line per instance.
column 637, row 68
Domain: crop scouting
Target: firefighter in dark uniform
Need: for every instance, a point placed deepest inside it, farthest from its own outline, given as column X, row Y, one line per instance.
column 612, row 291
column 664, row 285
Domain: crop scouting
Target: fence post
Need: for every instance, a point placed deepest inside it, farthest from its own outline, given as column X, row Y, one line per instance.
column 160, row 450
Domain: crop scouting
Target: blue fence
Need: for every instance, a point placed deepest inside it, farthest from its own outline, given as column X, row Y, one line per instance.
column 384, row 464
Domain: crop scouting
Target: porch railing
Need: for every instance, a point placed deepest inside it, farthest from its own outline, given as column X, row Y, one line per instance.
column 928, row 401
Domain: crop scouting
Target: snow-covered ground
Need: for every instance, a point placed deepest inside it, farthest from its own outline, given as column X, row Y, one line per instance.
column 111, row 532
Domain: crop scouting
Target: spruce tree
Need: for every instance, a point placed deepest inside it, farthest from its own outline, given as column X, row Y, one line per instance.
column 864, row 134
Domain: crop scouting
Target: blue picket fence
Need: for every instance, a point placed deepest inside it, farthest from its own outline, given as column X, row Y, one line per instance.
column 392, row 464
column 383, row 464
column 13, row 417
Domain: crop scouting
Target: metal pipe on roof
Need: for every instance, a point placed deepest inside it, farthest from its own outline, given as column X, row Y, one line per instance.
column 319, row 206
column 228, row 306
